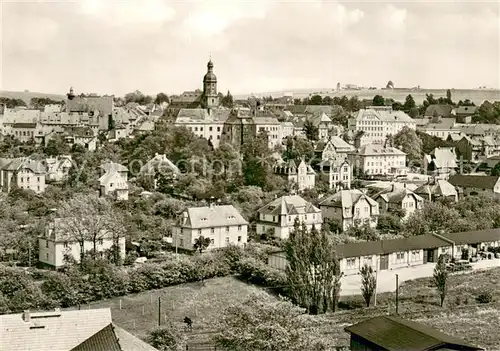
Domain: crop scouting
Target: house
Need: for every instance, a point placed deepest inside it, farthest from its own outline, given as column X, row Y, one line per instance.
column 441, row 127
column 204, row 123
column 376, row 123
column 110, row 166
column 491, row 145
column 394, row 333
column 469, row 149
column 398, row 199
column 223, row 224
column 406, row 252
column 75, row 330
column 25, row 174
column 113, row 184
column 334, row 148
column 160, row 165
column 466, row 111
column 379, row 160
column 351, row 208
column 56, row 243
column 83, row 136
column 438, row 110
column 58, row 167
column 442, row 161
column 437, row 189
column 337, row 173
column 300, row 177
column 475, row 184
column 277, row 218
column 323, row 123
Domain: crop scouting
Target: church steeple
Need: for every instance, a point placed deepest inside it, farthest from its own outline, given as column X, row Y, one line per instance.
column 210, row 98
column 71, row 94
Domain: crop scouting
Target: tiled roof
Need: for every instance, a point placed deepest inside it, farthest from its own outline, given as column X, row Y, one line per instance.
column 384, row 115
column 438, row 110
column 265, row 120
column 394, row 334
column 475, row 237
column 443, row 157
column 346, row 198
column 213, row 216
column 16, row 164
column 159, row 163
column 473, row 181
column 114, row 177
column 467, row 110
column 396, row 196
column 197, row 115
column 113, row 166
column 286, row 205
column 113, row 338
column 51, row 331
column 442, row 124
column 377, row 150
column 440, row 188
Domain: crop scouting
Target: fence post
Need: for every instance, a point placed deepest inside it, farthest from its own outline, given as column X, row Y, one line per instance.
column 143, row 310
column 134, row 323
column 120, row 304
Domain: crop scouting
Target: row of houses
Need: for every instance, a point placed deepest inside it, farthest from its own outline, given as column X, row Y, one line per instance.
column 412, row 251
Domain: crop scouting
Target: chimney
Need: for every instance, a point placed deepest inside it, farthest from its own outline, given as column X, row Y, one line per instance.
column 26, row 316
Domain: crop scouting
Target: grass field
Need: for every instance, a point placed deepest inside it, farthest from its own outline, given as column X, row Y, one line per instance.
column 461, row 315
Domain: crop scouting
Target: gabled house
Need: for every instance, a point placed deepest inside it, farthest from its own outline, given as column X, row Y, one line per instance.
column 278, row 217
column 25, row 174
column 83, row 136
column 469, row 149
column 379, row 160
column 300, row 177
column 351, row 208
column 323, row 123
column 113, row 184
column 223, row 225
column 442, row 162
column 337, row 173
column 438, row 110
column 437, row 189
column 334, row 148
column 379, row 333
column 76, row 330
column 464, row 112
column 475, row 184
column 57, row 242
column 58, row 167
column 441, row 127
column 160, row 165
column 110, row 166
column 398, row 199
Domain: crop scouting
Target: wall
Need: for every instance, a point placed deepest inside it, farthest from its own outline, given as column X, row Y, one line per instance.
column 26, row 179
column 277, row 260
column 220, row 236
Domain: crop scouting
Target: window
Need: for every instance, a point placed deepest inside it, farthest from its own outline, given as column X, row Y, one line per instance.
column 212, row 230
column 400, row 257
column 201, row 129
column 181, row 242
column 358, row 210
column 239, row 238
column 46, row 244
column 368, row 260
column 101, row 241
column 195, row 129
column 199, row 231
column 305, row 217
column 47, row 255
column 66, row 244
column 110, row 185
column 239, row 228
column 351, row 263
column 38, row 179
column 209, row 129
column 227, row 229
column 227, row 240
column 212, row 241
column 21, row 179
column 218, row 129
column 415, row 256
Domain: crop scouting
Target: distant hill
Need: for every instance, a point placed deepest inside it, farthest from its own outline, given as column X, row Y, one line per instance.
column 399, row 94
column 27, row 95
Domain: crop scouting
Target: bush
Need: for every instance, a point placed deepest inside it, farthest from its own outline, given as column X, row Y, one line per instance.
column 484, row 297
column 258, row 272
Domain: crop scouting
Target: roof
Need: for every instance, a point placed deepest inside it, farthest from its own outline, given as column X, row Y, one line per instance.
column 384, row 115
column 376, row 150
column 473, row 181
column 113, row 166
column 16, row 164
column 159, row 163
column 346, row 198
column 290, row 167
column 438, row 110
column 475, row 237
column 52, row 331
column 197, row 115
column 113, row 338
column 287, row 205
column 213, row 216
column 114, row 177
column 467, row 110
column 440, row 188
column 396, row 196
column 394, row 334
column 443, row 157
column 441, row 124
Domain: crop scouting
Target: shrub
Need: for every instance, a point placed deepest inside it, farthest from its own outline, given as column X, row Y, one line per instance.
column 484, row 297
column 167, row 338
column 258, row 272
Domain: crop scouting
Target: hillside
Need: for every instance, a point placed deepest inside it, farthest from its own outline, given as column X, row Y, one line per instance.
column 27, row 95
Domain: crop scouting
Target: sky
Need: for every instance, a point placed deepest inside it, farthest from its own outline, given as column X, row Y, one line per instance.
column 115, row 47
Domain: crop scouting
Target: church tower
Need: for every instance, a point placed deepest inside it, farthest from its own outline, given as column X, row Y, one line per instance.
column 71, row 94
column 210, row 98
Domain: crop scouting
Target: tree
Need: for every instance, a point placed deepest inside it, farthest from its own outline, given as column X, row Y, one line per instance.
column 368, row 283
column 257, row 160
column 227, row 101
column 261, row 324
column 409, row 103
column 56, row 146
column 316, row 100
column 87, row 218
column 161, row 98
column 138, row 98
column 201, row 243
column 298, row 148
column 327, row 100
column 168, row 338
column 496, row 170
column 378, row 100
column 313, row 271
column 407, row 141
column 448, row 97
column 311, row 131
column 440, row 276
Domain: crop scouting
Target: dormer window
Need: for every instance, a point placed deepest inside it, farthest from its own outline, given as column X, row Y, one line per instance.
column 203, row 219
column 230, row 217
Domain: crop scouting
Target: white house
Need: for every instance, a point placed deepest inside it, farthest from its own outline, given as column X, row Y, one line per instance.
column 302, row 177
column 338, row 174
column 378, row 122
column 442, row 161
column 58, row 167
column 113, row 184
column 351, row 208
column 398, row 198
column 223, row 225
column 56, row 243
column 379, row 160
column 23, row 173
column 279, row 216
column 335, row 148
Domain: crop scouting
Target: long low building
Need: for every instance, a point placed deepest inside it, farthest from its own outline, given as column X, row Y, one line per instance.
column 399, row 253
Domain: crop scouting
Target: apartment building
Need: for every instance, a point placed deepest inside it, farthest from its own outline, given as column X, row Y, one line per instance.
column 379, row 160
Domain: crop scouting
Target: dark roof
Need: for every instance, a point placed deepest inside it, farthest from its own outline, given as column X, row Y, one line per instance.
column 467, row 110
column 104, row 340
column 474, row 237
column 473, row 181
column 394, row 333
column 438, row 110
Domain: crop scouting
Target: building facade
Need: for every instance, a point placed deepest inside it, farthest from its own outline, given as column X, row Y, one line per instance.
column 379, row 160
